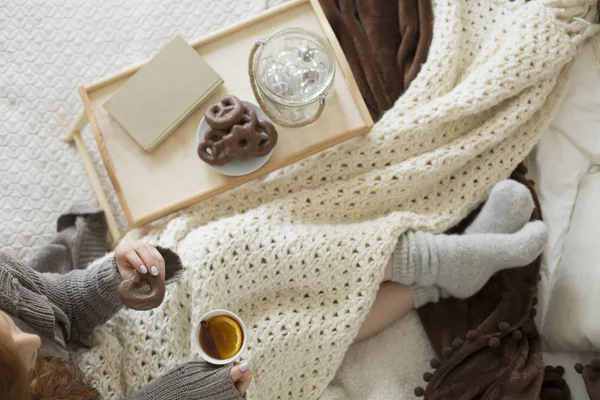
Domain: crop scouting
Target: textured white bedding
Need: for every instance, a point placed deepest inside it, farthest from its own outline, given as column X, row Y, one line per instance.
column 48, row 48
column 566, row 168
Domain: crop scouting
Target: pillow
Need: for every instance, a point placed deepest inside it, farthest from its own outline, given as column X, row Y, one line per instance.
column 572, row 321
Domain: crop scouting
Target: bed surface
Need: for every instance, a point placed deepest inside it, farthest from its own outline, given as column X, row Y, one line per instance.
column 566, row 168
column 47, row 52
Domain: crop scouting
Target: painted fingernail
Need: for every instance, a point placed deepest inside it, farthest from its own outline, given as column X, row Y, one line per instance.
column 154, row 271
column 244, row 366
column 144, row 269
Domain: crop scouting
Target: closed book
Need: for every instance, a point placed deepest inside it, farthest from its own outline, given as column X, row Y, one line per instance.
column 163, row 93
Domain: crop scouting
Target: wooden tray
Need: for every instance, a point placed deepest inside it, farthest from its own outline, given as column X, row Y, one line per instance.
column 151, row 185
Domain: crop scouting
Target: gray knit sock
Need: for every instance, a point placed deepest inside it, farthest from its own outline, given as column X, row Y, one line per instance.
column 507, row 209
column 462, row 264
column 425, row 294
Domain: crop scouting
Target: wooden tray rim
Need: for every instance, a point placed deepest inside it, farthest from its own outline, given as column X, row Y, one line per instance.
column 85, row 90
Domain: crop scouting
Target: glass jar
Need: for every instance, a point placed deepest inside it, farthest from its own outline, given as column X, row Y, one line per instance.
column 291, row 74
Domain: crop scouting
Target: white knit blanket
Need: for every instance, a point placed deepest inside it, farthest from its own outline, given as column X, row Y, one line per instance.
column 299, row 255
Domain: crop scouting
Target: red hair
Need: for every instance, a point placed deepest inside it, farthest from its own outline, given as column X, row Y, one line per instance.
column 15, row 383
column 51, row 378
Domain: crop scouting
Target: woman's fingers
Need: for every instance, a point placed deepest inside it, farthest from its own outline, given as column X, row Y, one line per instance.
column 236, row 371
column 243, row 383
column 160, row 262
column 129, row 258
column 146, row 253
column 241, row 376
column 139, row 256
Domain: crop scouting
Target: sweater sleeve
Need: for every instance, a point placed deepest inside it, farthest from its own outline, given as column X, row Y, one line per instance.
column 75, row 302
column 197, row 380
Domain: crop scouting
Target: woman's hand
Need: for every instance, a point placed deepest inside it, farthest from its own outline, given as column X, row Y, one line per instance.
column 139, row 256
column 241, row 376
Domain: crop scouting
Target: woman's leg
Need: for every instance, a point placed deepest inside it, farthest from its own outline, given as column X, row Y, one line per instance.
column 506, row 212
column 393, row 301
column 387, row 275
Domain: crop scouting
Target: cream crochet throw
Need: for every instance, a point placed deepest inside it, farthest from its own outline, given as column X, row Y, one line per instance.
column 300, row 254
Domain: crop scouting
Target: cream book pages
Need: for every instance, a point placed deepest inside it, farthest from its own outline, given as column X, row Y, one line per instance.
column 153, row 102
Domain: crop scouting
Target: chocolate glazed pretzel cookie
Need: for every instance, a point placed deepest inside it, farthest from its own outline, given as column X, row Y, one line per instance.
column 212, row 149
column 132, row 297
column 241, row 141
column 225, row 113
column 247, row 137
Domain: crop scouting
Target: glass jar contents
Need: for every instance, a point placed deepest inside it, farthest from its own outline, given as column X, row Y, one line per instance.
column 297, row 71
column 293, row 70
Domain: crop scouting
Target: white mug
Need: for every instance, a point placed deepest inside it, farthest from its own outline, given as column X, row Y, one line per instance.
column 196, row 336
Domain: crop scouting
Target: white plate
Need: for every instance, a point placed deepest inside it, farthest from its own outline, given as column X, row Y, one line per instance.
column 237, row 167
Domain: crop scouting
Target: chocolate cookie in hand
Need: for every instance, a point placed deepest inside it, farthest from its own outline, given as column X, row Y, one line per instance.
column 132, row 295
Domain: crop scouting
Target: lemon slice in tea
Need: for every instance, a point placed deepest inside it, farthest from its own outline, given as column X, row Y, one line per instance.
column 227, row 335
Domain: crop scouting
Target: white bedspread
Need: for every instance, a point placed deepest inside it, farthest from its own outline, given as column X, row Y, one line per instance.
column 566, row 169
column 47, row 49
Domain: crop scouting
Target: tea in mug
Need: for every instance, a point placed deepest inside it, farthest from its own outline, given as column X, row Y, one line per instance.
column 221, row 337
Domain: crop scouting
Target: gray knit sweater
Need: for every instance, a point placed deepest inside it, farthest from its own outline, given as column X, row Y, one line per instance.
column 64, row 308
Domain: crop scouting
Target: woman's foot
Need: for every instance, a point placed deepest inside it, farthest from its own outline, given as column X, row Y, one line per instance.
column 425, row 294
column 499, row 238
column 462, row 264
column 507, row 209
